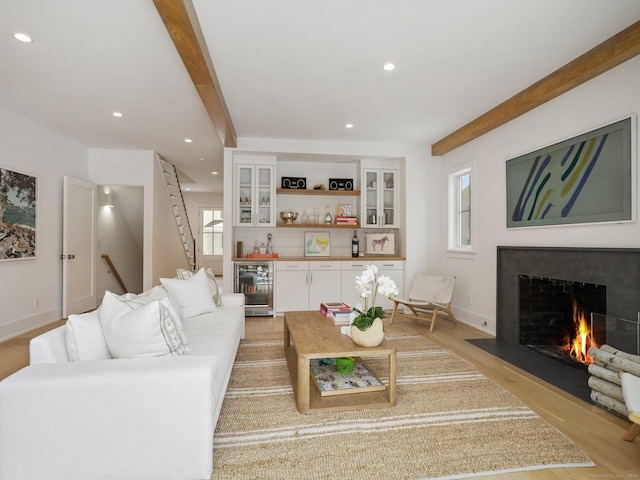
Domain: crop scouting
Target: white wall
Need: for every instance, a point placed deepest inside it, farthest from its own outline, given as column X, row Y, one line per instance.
column 30, row 148
column 601, row 101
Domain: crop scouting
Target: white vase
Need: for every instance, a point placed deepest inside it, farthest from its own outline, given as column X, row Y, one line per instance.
column 371, row 337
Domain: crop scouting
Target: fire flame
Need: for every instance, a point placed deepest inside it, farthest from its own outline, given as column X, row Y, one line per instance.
column 582, row 338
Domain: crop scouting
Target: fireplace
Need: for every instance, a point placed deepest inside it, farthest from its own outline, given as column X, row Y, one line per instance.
column 610, row 277
column 555, row 316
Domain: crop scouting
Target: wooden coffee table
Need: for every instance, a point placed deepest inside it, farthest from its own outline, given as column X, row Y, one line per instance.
column 309, row 335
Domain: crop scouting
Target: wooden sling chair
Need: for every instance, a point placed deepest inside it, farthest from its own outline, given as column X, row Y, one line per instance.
column 429, row 296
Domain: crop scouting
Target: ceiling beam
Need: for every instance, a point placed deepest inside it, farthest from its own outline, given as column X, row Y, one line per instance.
column 609, row 54
column 182, row 24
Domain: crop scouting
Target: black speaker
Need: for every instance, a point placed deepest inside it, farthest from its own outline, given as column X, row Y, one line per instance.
column 294, row 183
column 341, row 184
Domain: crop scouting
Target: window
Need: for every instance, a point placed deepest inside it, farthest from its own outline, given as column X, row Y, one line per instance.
column 460, row 215
column 212, row 231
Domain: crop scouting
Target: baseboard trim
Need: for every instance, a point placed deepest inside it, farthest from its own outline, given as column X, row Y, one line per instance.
column 24, row 325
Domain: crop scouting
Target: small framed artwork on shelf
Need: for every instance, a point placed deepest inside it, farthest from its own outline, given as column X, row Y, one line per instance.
column 317, row 244
column 381, row 244
column 344, row 210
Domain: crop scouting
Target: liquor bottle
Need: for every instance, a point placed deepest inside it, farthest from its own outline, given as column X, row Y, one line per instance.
column 355, row 244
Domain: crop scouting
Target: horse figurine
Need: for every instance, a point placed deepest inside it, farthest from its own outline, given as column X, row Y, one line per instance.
column 381, row 242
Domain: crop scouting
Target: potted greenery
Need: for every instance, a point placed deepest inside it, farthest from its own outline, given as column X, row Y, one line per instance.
column 367, row 329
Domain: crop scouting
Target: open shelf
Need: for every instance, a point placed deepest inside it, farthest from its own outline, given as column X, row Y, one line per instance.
column 318, row 226
column 341, row 193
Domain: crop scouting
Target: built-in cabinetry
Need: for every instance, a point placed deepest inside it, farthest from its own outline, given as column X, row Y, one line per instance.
column 254, row 195
column 304, row 285
column 379, row 198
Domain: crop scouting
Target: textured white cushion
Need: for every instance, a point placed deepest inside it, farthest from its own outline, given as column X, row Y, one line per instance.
column 157, row 293
column 183, row 274
column 85, row 339
column 133, row 330
column 192, row 295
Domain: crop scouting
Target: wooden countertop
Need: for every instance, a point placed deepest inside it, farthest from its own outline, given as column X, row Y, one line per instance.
column 368, row 258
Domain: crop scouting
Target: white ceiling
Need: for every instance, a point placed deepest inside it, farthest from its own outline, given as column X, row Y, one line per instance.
column 287, row 68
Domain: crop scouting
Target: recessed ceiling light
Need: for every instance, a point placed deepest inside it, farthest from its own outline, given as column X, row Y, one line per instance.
column 214, row 173
column 349, row 125
column 389, row 66
column 117, row 114
column 188, row 140
column 23, row 37
column 187, row 188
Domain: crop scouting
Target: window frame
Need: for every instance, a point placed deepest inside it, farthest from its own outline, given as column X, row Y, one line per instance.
column 455, row 209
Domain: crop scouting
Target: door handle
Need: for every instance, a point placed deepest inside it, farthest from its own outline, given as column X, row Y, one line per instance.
column 71, row 257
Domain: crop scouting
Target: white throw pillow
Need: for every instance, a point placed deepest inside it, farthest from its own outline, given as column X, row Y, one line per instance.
column 157, row 293
column 85, row 339
column 133, row 330
column 192, row 295
column 183, row 274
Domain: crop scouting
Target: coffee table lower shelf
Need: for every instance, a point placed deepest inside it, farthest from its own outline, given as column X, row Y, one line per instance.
column 314, row 401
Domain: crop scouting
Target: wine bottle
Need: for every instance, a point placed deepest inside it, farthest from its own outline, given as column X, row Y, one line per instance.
column 355, row 244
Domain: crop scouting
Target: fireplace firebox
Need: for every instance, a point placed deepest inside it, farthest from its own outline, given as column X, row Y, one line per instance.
column 554, row 316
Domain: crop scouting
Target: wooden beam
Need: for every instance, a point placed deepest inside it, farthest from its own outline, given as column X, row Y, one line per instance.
column 609, row 54
column 184, row 29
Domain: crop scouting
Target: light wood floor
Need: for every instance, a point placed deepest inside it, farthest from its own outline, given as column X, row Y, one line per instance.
column 598, row 432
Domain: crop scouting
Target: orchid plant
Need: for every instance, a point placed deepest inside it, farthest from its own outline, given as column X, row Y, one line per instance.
column 370, row 284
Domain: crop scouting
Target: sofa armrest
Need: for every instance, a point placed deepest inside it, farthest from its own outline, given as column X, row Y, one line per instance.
column 49, row 347
column 236, row 299
column 126, row 419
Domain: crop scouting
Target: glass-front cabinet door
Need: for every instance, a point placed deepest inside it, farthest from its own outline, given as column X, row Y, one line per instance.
column 254, row 195
column 380, row 198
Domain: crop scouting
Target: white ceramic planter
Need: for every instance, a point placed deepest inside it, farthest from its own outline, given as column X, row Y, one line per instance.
column 372, row 337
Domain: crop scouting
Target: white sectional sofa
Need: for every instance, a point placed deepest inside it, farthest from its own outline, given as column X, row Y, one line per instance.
column 148, row 417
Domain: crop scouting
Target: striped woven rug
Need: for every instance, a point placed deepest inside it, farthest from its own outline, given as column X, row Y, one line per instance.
column 449, row 422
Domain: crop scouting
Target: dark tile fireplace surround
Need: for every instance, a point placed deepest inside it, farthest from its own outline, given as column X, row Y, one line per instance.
column 617, row 270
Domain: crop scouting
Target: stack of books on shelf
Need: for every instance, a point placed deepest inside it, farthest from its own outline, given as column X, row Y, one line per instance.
column 344, row 220
column 338, row 312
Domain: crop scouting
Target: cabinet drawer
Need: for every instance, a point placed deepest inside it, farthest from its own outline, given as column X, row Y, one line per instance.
column 325, row 265
column 354, row 265
column 292, row 265
column 389, row 265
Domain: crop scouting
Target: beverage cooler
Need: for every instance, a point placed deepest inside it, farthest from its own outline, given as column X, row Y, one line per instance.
column 254, row 279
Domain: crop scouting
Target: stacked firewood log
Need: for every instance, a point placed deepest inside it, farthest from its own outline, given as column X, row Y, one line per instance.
column 606, row 389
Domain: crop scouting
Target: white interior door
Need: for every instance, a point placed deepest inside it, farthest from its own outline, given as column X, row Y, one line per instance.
column 210, row 230
column 79, row 249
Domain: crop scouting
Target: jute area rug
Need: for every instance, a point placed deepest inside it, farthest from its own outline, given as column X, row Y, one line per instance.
column 449, row 422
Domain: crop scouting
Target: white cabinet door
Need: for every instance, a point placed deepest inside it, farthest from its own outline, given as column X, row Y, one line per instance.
column 254, row 195
column 324, row 283
column 395, row 271
column 292, row 286
column 380, row 198
column 351, row 270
